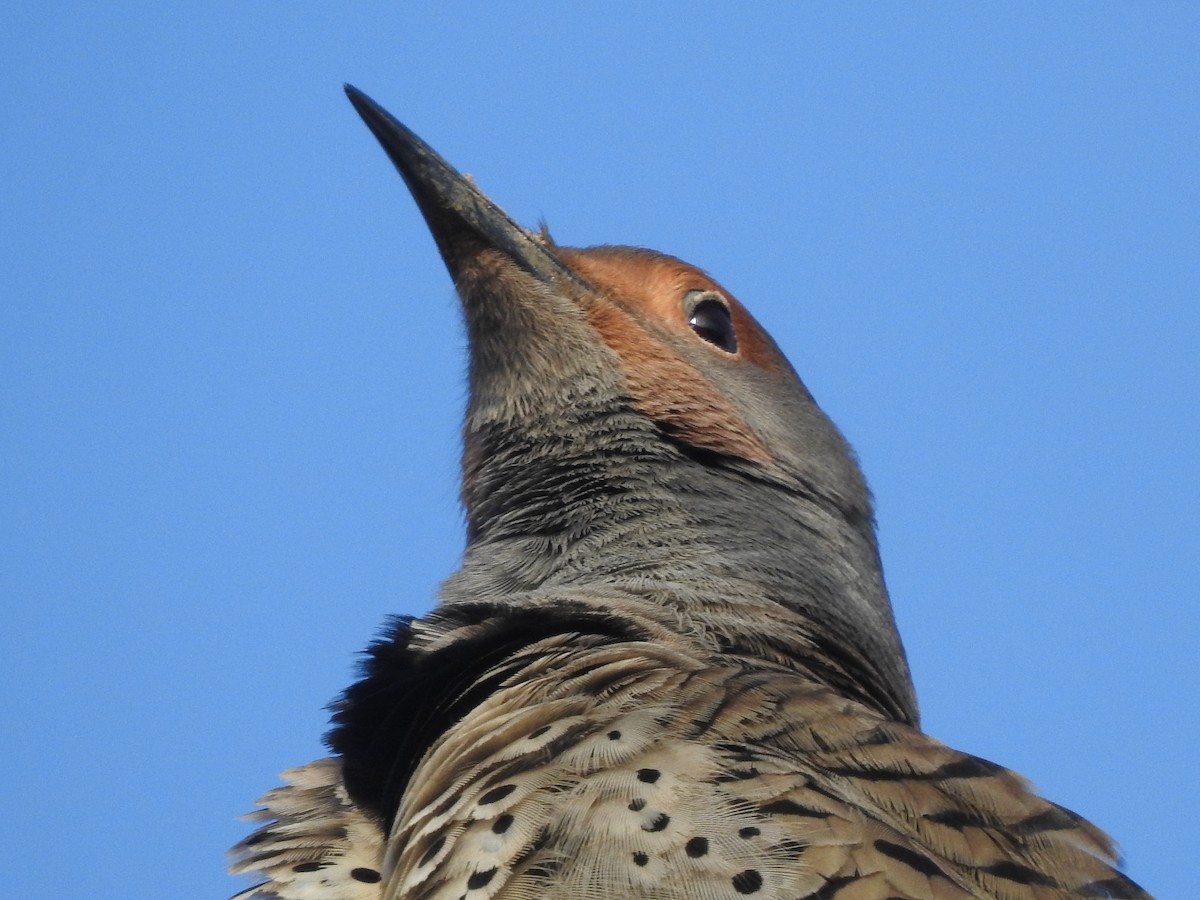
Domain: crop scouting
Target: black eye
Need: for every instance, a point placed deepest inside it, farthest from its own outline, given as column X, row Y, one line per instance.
column 709, row 317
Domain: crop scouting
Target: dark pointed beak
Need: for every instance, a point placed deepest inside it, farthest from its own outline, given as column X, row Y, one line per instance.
column 460, row 217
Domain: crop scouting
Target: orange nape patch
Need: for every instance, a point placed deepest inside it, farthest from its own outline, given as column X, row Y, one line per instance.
column 667, row 388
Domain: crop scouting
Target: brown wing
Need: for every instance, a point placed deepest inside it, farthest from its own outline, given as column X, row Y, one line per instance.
column 631, row 771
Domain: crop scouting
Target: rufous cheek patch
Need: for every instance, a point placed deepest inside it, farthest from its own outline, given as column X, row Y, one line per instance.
column 670, row 391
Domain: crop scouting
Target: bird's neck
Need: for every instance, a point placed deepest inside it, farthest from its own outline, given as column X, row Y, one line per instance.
column 743, row 566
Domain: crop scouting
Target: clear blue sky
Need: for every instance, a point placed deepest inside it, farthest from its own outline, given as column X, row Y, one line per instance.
column 231, row 368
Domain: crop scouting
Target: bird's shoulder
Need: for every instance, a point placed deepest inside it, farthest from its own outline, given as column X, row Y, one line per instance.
column 497, row 760
column 645, row 768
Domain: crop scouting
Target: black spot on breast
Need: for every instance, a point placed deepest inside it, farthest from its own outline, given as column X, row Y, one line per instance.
column 534, row 735
column 748, row 832
column 497, row 793
column 637, row 805
column 614, row 735
column 480, row 879
column 747, row 881
column 640, row 858
column 649, row 776
column 502, row 824
column 696, row 847
column 366, row 876
column 432, row 850
column 661, row 821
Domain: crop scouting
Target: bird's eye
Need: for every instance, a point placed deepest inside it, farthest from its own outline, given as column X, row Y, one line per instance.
column 710, row 318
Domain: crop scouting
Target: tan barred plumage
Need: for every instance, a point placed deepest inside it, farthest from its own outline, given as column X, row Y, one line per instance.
column 630, row 769
column 668, row 666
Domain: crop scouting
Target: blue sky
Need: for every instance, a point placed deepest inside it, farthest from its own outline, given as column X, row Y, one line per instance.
column 231, row 368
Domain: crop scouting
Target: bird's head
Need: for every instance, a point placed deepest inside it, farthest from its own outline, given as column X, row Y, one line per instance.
column 631, row 425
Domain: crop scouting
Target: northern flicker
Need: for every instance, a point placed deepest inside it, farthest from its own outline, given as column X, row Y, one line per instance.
column 667, row 667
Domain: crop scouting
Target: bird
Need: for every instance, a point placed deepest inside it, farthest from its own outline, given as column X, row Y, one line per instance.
column 667, row 666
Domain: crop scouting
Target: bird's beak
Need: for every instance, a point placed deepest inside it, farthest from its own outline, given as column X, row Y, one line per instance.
column 462, row 220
